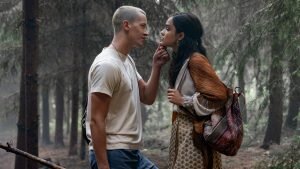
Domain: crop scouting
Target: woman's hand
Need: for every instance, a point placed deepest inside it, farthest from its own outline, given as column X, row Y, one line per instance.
column 161, row 56
column 175, row 97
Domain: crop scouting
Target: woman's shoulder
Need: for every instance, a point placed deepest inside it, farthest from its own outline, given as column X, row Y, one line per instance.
column 198, row 57
column 198, row 60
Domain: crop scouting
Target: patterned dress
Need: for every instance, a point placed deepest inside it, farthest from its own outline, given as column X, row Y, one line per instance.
column 203, row 94
column 182, row 153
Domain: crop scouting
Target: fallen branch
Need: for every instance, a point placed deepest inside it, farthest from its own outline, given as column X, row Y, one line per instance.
column 8, row 148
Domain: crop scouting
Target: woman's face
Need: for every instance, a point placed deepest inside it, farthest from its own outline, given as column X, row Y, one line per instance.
column 169, row 37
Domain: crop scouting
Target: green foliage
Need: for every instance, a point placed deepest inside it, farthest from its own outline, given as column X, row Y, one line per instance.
column 290, row 159
column 10, row 32
column 249, row 48
column 10, row 42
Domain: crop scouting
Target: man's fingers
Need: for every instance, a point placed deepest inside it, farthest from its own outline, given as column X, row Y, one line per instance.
column 162, row 51
column 160, row 47
column 166, row 56
column 159, row 52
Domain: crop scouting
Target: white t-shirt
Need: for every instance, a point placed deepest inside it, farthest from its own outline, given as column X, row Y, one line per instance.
column 115, row 74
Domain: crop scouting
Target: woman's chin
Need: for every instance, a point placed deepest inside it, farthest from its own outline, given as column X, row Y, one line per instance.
column 162, row 43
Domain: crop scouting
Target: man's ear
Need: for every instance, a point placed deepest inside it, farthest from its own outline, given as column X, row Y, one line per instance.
column 126, row 25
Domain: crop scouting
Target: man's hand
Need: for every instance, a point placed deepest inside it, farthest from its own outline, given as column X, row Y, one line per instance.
column 161, row 56
column 148, row 90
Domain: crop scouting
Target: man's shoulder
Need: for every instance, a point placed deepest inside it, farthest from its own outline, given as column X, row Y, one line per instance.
column 105, row 65
column 106, row 54
column 105, row 58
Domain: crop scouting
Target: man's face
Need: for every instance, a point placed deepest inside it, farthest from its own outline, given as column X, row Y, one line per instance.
column 137, row 31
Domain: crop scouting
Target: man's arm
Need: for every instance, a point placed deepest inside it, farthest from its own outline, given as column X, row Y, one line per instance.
column 148, row 90
column 99, row 109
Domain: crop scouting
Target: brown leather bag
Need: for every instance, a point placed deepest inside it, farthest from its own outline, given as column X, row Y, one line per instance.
column 226, row 135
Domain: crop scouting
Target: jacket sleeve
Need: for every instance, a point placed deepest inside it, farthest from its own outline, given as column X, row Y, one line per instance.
column 211, row 94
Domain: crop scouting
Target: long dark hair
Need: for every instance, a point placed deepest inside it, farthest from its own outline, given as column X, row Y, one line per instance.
column 191, row 43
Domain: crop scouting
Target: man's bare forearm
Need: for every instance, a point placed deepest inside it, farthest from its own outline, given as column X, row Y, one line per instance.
column 99, row 144
column 152, row 85
column 149, row 89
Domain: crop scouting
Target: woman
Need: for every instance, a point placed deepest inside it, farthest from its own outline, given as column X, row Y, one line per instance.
column 195, row 91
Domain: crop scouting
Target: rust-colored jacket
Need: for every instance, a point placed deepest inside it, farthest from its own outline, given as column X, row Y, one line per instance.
column 200, row 86
column 206, row 82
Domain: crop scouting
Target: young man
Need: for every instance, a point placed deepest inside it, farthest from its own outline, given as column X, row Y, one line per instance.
column 116, row 89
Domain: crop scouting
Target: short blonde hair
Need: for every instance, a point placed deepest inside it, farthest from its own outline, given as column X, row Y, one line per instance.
column 129, row 13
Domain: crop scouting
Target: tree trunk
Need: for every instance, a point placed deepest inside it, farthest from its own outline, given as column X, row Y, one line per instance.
column 84, row 76
column 59, row 101
column 83, row 104
column 74, row 121
column 20, row 161
column 294, row 94
column 243, row 13
column 68, row 109
column 28, row 116
column 273, row 132
column 45, row 108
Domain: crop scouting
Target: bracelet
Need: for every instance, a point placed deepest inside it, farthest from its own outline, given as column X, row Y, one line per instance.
column 187, row 102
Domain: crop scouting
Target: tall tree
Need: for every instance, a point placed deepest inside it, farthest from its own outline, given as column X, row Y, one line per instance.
column 285, row 31
column 294, row 93
column 68, row 109
column 84, row 73
column 242, row 59
column 83, row 105
column 45, row 109
column 293, row 51
column 59, row 101
column 28, row 115
column 75, row 99
column 273, row 132
column 75, row 8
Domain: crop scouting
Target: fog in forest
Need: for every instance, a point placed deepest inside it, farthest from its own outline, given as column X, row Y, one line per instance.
column 251, row 44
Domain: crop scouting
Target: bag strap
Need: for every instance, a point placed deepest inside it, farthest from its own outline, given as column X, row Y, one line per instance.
column 83, row 122
column 181, row 74
column 178, row 85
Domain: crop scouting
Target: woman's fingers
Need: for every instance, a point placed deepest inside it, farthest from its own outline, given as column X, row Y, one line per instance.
column 171, row 90
column 171, row 95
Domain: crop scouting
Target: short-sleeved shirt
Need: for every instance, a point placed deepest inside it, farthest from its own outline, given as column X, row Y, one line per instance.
column 115, row 75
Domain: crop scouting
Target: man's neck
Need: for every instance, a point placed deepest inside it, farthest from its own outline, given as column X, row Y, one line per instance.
column 121, row 45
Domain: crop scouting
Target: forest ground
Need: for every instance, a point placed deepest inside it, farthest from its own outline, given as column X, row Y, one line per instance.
column 245, row 159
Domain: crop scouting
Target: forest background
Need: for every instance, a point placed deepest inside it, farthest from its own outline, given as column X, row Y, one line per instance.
column 252, row 44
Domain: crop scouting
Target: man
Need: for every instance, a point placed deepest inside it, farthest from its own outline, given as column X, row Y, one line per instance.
column 116, row 89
